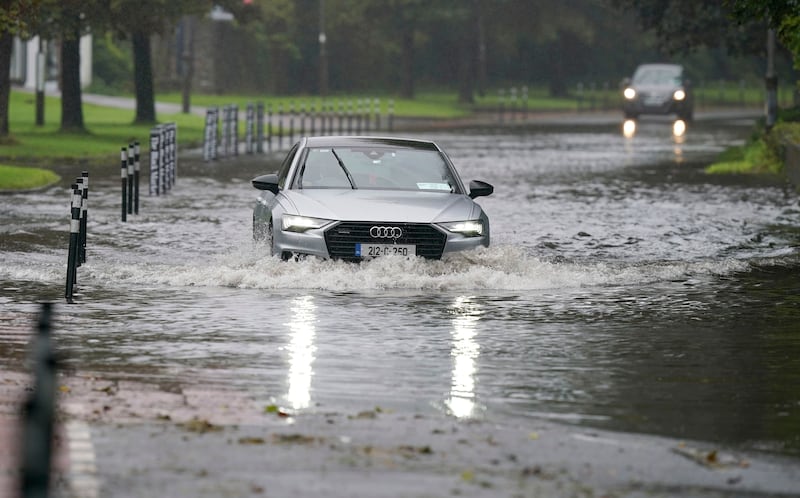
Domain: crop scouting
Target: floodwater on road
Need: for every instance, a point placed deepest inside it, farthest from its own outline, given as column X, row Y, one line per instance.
column 624, row 289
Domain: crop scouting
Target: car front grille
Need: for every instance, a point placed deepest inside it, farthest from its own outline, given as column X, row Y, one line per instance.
column 342, row 239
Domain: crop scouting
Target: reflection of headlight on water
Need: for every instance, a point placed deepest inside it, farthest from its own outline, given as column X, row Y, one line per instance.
column 465, row 352
column 679, row 128
column 629, row 128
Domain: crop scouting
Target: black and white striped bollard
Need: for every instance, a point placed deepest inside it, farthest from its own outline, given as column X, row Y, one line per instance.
column 123, row 158
column 74, row 235
column 130, row 178
column 136, row 168
column 84, row 215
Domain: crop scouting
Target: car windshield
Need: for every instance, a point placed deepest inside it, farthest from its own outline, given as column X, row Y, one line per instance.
column 371, row 167
column 657, row 76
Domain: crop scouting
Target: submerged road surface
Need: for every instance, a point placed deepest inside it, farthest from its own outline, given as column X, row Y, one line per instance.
column 631, row 331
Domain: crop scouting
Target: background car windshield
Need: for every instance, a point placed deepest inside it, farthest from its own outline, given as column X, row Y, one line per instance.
column 657, row 76
column 376, row 168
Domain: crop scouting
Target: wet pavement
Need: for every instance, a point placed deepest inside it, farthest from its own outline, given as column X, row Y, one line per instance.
column 630, row 332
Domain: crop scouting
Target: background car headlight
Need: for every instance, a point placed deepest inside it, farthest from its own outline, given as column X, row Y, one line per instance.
column 679, row 95
column 471, row 228
column 629, row 93
column 292, row 223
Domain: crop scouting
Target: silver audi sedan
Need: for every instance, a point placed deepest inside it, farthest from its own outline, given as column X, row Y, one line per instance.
column 356, row 198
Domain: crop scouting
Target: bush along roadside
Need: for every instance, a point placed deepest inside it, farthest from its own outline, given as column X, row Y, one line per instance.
column 765, row 152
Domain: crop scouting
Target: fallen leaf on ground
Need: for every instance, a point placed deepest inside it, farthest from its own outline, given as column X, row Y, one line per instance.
column 200, row 426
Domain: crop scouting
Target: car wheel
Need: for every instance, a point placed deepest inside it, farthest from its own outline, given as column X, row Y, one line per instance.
column 631, row 115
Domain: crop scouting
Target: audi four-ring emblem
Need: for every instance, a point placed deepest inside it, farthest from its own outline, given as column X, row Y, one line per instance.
column 377, row 232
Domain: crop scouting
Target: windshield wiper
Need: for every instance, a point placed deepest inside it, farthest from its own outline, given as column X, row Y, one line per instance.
column 341, row 165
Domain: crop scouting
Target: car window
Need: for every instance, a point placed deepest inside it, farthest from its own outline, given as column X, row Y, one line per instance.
column 657, row 76
column 376, row 168
column 285, row 165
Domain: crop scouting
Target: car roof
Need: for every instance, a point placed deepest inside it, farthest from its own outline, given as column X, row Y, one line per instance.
column 674, row 67
column 367, row 141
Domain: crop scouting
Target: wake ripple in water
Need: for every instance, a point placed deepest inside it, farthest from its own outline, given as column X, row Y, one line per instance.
column 498, row 268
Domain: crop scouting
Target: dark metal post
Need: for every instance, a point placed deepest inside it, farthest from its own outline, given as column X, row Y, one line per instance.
column 377, row 114
column 249, row 118
column 212, row 118
column 174, row 132
column 136, row 175
column 162, row 159
column 280, row 126
column 39, row 414
column 340, row 117
column 84, row 215
column 291, row 123
column 269, row 127
column 130, row 178
column 322, row 126
column 40, row 77
column 123, row 157
column 154, row 181
column 302, row 119
column 74, row 234
column 391, row 115
column 260, row 127
column 235, row 130
column 313, row 118
column 216, row 134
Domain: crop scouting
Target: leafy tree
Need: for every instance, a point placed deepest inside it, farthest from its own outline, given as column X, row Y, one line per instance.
column 782, row 15
column 682, row 26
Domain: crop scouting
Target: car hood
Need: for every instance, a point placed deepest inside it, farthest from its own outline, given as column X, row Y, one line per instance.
column 382, row 205
column 656, row 87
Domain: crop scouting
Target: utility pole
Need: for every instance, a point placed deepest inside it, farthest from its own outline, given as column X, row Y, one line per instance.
column 771, row 81
column 323, row 56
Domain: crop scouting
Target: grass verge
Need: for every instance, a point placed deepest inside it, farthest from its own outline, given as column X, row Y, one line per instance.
column 762, row 154
column 24, row 178
column 107, row 130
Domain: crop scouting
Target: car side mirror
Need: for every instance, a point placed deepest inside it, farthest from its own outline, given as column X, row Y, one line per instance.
column 266, row 182
column 478, row 188
column 625, row 83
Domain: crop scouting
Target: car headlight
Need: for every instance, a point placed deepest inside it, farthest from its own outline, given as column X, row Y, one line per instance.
column 471, row 228
column 629, row 93
column 293, row 223
column 679, row 95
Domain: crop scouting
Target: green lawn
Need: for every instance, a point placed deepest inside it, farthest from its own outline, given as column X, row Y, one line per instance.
column 23, row 178
column 108, row 129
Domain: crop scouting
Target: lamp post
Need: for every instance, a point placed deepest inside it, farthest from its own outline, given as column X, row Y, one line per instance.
column 323, row 56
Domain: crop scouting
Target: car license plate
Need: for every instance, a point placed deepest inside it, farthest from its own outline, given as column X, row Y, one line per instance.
column 375, row 250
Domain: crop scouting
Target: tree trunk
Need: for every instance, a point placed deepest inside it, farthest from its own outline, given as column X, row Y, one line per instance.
column 466, row 73
column 143, row 79
column 6, row 44
column 467, row 56
column 71, row 99
column 407, row 90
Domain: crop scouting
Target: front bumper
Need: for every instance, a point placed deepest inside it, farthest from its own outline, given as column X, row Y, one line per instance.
column 337, row 241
